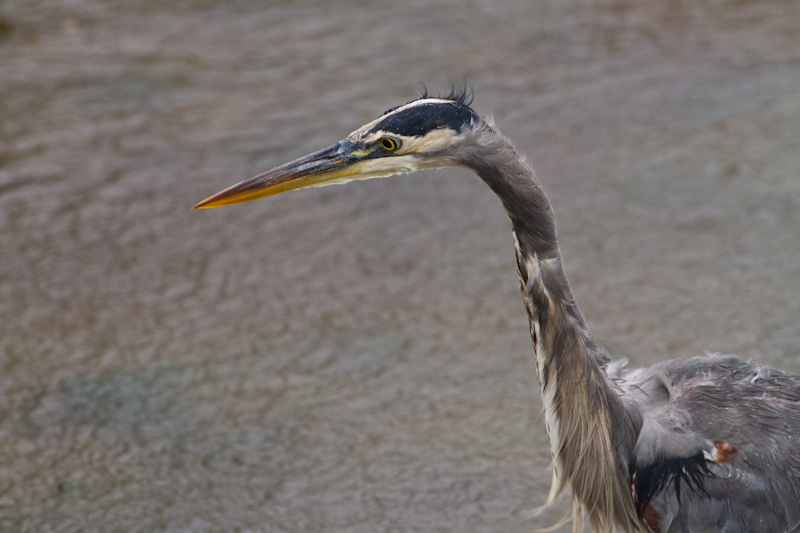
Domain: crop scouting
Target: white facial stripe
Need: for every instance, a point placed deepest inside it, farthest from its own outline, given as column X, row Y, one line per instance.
column 383, row 167
column 433, row 141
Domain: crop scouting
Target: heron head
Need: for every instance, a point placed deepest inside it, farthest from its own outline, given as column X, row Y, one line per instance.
column 423, row 134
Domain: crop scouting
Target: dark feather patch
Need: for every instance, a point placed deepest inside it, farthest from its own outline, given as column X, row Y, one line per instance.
column 418, row 120
column 652, row 518
column 649, row 480
column 462, row 95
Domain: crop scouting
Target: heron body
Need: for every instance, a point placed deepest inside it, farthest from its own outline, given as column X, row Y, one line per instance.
column 702, row 444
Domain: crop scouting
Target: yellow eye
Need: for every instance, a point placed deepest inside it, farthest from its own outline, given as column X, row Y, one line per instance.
column 389, row 144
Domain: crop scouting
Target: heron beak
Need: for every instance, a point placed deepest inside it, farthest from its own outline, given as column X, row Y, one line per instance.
column 330, row 165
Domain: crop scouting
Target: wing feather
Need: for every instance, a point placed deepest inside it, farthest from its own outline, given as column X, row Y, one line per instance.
column 726, row 430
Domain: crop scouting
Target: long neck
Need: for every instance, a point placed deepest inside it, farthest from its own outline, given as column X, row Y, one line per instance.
column 585, row 419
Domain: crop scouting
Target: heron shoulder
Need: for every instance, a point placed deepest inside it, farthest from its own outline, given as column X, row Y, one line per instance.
column 716, row 437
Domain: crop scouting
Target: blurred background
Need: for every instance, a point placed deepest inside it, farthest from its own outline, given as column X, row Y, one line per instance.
column 357, row 358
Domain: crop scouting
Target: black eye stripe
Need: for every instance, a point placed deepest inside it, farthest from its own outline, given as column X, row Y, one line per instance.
column 420, row 119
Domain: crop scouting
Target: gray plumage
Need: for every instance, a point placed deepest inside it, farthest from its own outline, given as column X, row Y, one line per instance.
column 686, row 405
column 703, row 444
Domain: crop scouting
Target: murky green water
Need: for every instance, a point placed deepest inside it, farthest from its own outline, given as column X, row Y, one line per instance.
column 357, row 358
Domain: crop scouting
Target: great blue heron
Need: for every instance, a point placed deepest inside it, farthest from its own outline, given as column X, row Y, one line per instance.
column 709, row 443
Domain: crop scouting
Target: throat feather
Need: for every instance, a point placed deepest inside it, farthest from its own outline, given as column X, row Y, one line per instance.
column 589, row 453
column 536, row 298
column 576, row 397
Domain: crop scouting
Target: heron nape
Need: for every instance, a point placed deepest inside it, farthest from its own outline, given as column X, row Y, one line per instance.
column 709, row 443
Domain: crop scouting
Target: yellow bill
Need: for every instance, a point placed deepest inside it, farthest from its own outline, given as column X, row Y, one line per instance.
column 330, row 165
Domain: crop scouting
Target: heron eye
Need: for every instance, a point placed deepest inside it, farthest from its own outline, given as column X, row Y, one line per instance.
column 389, row 144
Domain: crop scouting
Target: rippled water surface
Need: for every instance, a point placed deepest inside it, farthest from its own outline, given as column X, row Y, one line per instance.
column 357, row 358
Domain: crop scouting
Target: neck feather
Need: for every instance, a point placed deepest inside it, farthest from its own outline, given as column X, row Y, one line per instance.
column 579, row 402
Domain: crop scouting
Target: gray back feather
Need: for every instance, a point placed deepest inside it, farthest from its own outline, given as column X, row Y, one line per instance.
column 687, row 405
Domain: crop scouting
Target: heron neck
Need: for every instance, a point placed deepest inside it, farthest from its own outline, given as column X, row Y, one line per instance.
column 579, row 403
column 560, row 327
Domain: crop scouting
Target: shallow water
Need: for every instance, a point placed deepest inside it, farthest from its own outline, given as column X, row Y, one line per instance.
column 357, row 358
